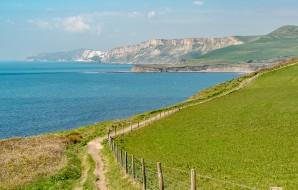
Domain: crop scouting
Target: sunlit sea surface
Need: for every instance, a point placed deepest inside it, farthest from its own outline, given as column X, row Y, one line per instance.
column 44, row 97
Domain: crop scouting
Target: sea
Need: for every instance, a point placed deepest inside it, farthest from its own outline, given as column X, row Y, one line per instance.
column 42, row 97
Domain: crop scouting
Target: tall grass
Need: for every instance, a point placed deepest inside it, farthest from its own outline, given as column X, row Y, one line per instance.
column 24, row 160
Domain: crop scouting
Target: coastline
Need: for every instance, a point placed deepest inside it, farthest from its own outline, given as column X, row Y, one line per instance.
column 218, row 68
column 214, row 67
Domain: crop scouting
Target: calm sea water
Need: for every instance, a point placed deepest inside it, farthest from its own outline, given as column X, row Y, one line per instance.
column 43, row 97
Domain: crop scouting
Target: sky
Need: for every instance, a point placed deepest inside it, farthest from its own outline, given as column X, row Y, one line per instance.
column 30, row 27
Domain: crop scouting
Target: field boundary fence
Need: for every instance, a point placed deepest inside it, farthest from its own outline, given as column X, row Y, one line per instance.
column 152, row 175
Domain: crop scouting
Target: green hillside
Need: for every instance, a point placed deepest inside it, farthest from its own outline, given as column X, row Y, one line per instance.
column 249, row 137
column 282, row 42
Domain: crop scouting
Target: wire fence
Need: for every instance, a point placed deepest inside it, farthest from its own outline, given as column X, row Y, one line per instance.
column 153, row 175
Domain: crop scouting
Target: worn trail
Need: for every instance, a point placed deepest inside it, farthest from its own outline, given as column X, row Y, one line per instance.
column 94, row 149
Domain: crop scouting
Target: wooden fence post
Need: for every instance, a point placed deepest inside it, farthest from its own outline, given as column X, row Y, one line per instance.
column 143, row 174
column 130, row 126
column 138, row 124
column 109, row 136
column 121, row 159
column 116, row 152
column 193, row 185
column 133, row 167
column 160, row 176
column 125, row 161
column 115, row 149
column 115, row 131
column 111, row 142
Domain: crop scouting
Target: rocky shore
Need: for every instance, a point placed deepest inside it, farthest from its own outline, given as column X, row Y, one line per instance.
column 199, row 68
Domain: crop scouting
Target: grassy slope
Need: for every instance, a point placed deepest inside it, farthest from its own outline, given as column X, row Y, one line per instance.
column 52, row 161
column 25, row 159
column 282, row 42
column 249, row 136
column 47, row 161
column 115, row 175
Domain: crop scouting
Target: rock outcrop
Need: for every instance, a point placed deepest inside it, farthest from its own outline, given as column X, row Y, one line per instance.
column 243, row 68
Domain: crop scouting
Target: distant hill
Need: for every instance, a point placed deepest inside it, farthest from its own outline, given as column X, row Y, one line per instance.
column 280, row 43
column 75, row 55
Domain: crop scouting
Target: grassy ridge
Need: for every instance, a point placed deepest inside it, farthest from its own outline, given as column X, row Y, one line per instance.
column 249, row 136
column 280, row 43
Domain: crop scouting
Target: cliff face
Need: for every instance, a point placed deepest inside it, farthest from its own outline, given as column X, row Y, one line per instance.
column 91, row 55
column 157, row 51
column 167, row 51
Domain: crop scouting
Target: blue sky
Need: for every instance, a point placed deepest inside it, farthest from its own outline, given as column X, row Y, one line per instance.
column 29, row 27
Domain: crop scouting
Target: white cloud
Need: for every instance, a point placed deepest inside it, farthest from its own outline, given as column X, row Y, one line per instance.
column 165, row 11
column 40, row 23
column 75, row 24
column 134, row 14
column 198, row 2
column 91, row 22
column 151, row 14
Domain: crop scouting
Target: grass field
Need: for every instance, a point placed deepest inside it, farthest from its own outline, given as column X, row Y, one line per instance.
column 248, row 137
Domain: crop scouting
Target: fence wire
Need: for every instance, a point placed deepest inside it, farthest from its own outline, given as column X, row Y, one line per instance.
column 173, row 178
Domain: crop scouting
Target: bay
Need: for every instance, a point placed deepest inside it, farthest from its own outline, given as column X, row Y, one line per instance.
column 43, row 97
